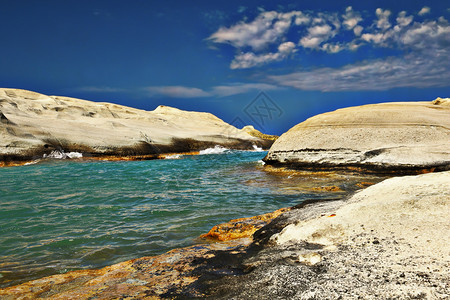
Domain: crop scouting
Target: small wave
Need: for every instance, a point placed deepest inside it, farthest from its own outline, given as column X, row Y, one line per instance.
column 216, row 150
column 261, row 162
column 256, row 148
column 57, row 154
column 174, row 156
column 74, row 155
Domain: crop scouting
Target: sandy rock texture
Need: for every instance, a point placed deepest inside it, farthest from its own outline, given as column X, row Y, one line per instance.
column 33, row 124
column 400, row 135
column 389, row 241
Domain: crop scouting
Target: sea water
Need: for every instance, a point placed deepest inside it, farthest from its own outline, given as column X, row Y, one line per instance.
column 62, row 215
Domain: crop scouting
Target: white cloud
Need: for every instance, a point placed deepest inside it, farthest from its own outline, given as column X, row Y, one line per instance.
column 403, row 20
column 425, row 10
column 320, row 30
column 250, row 59
column 416, row 71
column 426, row 64
column 241, row 88
column 317, row 35
column 429, row 35
column 383, row 18
column 422, row 49
column 268, row 28
column 351, row 19
column 357, row 30
column 175, row 91
column 376, row 38
column 331, row 48
column 425, row 61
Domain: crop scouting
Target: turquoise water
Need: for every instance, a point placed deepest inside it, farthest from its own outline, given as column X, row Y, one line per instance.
column 62, row 215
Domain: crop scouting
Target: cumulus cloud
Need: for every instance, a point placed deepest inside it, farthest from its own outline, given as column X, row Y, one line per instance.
column 351, row 19
column 426, row 63
column 250, row 59
column 316, row 35
column 422, row 49
column 269, row 27
column 255, row 40
column 383, row 18
column 403, row 20
column 175, row 91
column 357, row 30
column 425, row 10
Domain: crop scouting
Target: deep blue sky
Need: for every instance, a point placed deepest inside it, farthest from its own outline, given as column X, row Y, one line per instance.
column 308, row 57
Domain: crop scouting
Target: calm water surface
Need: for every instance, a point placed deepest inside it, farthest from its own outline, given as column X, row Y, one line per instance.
column 57, row 216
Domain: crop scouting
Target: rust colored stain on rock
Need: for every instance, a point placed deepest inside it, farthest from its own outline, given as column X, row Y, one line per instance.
column 332, row 188
column 241, row 228
column 141, row 278
column 364, row 184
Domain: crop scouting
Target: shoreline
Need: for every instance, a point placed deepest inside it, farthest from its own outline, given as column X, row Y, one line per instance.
column 17, row 163
column 239, row 268
column 166, row 270
column 107, row 157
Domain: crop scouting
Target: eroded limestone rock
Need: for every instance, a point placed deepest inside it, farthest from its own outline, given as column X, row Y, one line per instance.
column 33, row 124
column 396, row 136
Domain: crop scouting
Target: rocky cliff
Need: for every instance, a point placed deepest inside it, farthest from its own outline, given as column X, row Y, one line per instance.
column 33, row 124
column 396, row 136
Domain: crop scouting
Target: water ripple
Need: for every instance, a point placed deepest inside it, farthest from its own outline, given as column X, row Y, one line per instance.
column 57, row 216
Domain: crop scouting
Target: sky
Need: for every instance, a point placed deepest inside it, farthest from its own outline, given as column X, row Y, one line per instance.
column 271, row 64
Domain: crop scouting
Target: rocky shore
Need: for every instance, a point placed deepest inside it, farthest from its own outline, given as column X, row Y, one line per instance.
column 388, row 241
column 34, row 125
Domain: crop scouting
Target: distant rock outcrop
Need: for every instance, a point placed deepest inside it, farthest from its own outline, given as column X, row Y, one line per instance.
column 33, row 124
column 256, row 133
column 388, row 136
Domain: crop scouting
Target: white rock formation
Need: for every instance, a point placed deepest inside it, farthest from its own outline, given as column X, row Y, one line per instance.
column 401, row 134
column 34, row 124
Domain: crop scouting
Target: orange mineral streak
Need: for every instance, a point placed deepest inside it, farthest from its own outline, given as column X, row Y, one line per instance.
column 332, row 188
column 13, row 163
column 241, row 228
column 364, row 184
column 141, row 278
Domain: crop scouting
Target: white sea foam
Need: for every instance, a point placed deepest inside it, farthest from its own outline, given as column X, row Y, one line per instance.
column 59, row 154
column 174, row 156
column 216, row 150
column 74, row 155
column 261, row 162
column 256, row 148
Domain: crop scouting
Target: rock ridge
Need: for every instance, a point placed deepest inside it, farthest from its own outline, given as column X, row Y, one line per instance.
column 398, row 136
column 33, row 124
